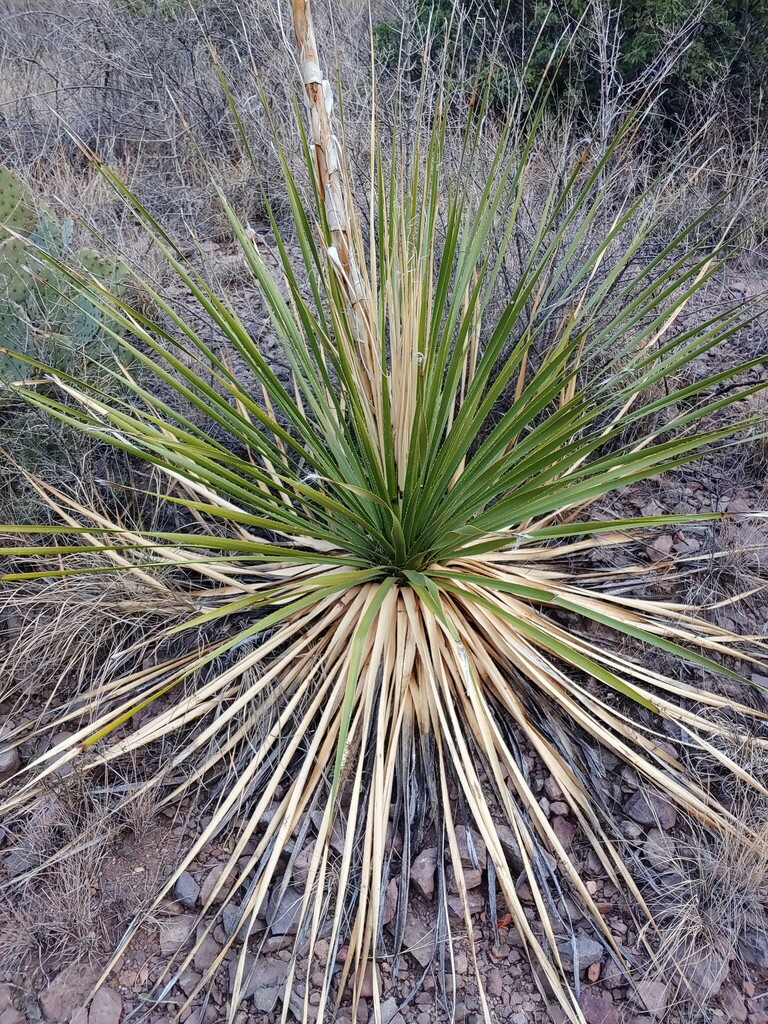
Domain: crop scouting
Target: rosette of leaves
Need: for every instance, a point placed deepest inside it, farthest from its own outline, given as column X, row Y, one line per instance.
column 394, row 559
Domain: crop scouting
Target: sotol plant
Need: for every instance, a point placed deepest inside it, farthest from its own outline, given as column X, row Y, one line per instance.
column 392, row 559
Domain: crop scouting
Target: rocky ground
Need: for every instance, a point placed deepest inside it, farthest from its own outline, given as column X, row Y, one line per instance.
column 726, row 982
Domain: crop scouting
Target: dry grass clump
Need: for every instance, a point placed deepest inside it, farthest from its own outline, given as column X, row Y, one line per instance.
column 710, row 896
column 708, row 891
column 756, row 443
column 731, row 579
column 73, row 876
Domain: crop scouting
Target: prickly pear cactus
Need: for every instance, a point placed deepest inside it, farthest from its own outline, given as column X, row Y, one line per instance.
column 17, row 208
column 42, row 314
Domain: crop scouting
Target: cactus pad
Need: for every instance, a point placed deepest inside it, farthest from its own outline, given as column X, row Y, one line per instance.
column 17, row 207
column 43, row 313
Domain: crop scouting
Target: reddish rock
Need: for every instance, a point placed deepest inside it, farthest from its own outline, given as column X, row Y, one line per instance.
column 653, row 997
column 472, row 848
column 475, row 904
column 210, row 882
column 733, row 1004
column 494, row 984
column 705, row 971
column 390, row 902
column 598, row 1009
column 565, row 831
column 106, row 1007
column 661, row 547
column 423, row 873
column 68, row 991
column 366, row 986
column 419, row 940
column 13, row 1016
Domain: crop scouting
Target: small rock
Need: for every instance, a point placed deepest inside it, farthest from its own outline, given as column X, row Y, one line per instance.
column 652, row 996
column 613, row 976
column 473, row 878
column 475, row 904
column 597, row 1009
column 418, row 940
column 366, row 985
column 704, row 972
column 284, row 911
column 649, row 807
column 230, row 919
column 494, row 984
column 733, row 1004
column 263, row 980
column 388, row 1010
column 65, row 769
column 189, row 980
column 660, row 547
column 10, row 762
column 18, row 862
column 307, row 1015
column 659, row 849
column 390, row 902
column 186, row 890
column 210, row 882
column 67, row 992
column 423, row 872
column 174, row 933
column 653, row 508
column 587, row 950
column 738, row 505
column 471, row 847
column 630, row 830
column 300, row 867
column 558, row 807
column 205, row 953
column 6, row 997
column 552, row 789
column 106, row 1007
column 565, row 831
column 753, row 946
column 687, row 546
column 510, row 846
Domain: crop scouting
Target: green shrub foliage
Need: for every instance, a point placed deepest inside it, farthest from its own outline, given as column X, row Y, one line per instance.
column 726, row 55
column 41, row 313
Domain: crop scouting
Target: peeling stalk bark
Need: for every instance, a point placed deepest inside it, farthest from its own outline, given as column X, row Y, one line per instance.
column 328, row 154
